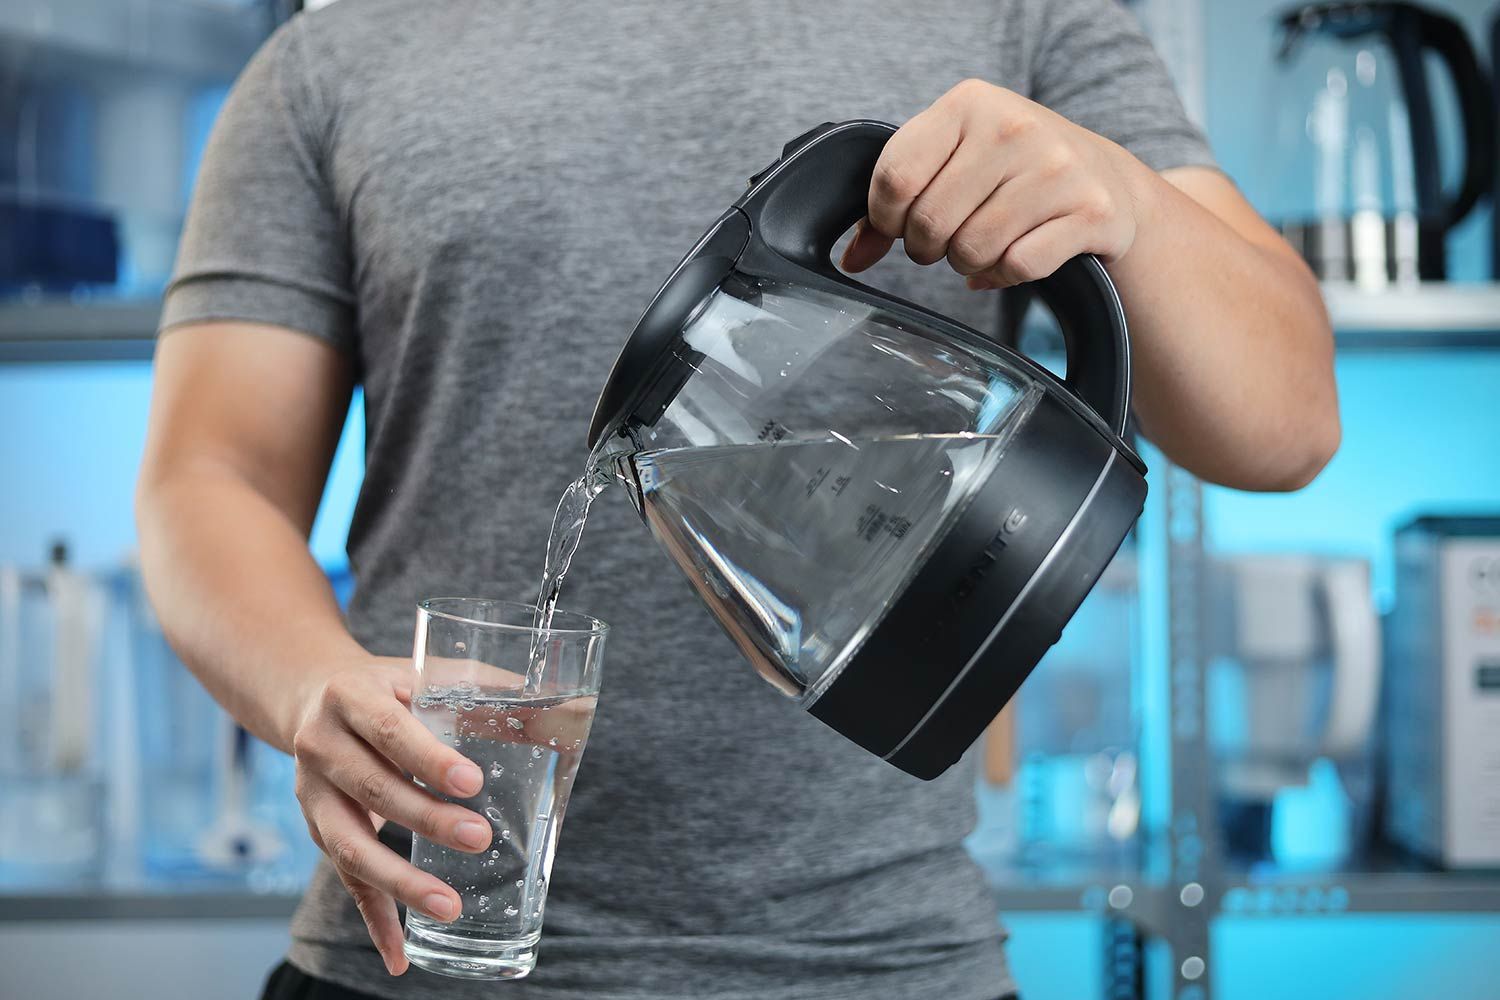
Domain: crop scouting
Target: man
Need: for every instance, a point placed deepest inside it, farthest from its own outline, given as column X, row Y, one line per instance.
column 462, row 205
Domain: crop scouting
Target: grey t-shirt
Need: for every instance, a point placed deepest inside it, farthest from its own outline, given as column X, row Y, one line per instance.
column 474, row 199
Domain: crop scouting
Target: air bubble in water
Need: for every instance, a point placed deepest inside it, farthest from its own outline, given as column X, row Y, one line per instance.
column 514, row 722
column 460, row 646
column 536, row 751
column 468, row 704
column 494, row 854
column 493, row 814
column 552, row 742
column 520, row 883
column 505, row 834
column 496, row 770
column 511, row 911
column 491, row 722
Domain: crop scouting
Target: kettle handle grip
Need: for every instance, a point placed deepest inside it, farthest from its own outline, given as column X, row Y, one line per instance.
column 803, row 203
column 1446, row 38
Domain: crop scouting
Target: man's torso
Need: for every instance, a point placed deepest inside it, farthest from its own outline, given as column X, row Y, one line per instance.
column 515, row 181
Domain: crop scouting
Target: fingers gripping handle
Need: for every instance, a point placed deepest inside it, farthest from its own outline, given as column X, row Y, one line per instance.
column 803, row 203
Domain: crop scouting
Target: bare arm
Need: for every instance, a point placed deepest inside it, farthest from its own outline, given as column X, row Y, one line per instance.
column 1233, row 352
column 244, row 421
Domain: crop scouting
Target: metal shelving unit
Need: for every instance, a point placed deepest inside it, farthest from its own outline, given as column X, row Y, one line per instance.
column 52, row 331
column 141, row 905
column 1176, row 906
column 1426, row 317
column 173, row 38
column 1204, row 888
column 1285, row 894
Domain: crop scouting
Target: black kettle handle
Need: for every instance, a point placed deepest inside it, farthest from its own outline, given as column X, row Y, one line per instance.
column 1416, row 30
column 803, row 203
column 1495, row 166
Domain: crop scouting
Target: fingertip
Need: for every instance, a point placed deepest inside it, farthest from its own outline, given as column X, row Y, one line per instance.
column 442, row 906
column 864, row 250
column 465, row 779
column 849, row 259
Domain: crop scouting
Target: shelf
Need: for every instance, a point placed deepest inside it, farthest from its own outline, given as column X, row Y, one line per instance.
column 1122, row 892
column 177, row 38
column 1434, row 315
column 106, row 905
column 1391, row 883
column 68, row 331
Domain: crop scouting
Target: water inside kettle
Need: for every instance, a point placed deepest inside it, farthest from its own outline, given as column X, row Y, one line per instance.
column 791, row 544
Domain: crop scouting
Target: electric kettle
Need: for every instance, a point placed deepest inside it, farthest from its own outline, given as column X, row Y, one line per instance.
column 1351, row 171
column 892, row 515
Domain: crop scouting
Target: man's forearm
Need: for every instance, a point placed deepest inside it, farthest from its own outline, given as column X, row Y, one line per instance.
column 239, row 596
column 1233, row 355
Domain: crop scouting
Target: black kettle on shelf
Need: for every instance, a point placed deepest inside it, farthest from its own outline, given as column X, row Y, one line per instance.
column 1351, row 172
column 1495, row 192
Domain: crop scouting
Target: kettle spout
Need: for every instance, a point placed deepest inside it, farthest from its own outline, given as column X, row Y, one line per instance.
column 613, row 462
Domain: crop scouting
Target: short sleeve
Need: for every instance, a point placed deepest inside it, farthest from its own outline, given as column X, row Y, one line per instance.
column 264, row 240
column 1095, row 66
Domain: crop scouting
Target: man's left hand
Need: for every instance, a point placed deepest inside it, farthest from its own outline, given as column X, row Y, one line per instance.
column 1003, row 188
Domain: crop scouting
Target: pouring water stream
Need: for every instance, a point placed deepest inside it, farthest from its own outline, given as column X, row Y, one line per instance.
column 562, row 542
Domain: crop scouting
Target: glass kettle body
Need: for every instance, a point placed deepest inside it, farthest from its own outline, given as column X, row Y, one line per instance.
column 890, row 514
column 1351, row 171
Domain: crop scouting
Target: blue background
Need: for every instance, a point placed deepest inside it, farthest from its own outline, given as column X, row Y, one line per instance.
column 1421, row 433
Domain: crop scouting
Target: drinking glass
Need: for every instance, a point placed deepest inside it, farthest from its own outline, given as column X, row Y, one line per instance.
column 518, row 701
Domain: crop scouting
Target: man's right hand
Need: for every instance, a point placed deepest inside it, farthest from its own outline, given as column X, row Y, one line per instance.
column 354, row 745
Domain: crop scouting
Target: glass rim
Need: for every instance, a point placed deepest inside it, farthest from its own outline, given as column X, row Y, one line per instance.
column 429, row 606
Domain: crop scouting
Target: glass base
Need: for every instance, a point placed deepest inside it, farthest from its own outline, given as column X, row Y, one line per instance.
column 434, row 947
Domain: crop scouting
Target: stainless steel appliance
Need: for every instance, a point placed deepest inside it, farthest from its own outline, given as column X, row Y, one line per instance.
column 1442, row 747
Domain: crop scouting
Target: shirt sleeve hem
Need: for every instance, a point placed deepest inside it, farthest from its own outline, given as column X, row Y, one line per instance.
column 257, row 300
column 1169, row 154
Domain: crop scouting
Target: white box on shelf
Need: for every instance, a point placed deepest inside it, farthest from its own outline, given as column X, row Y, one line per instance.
column 1443, row 698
